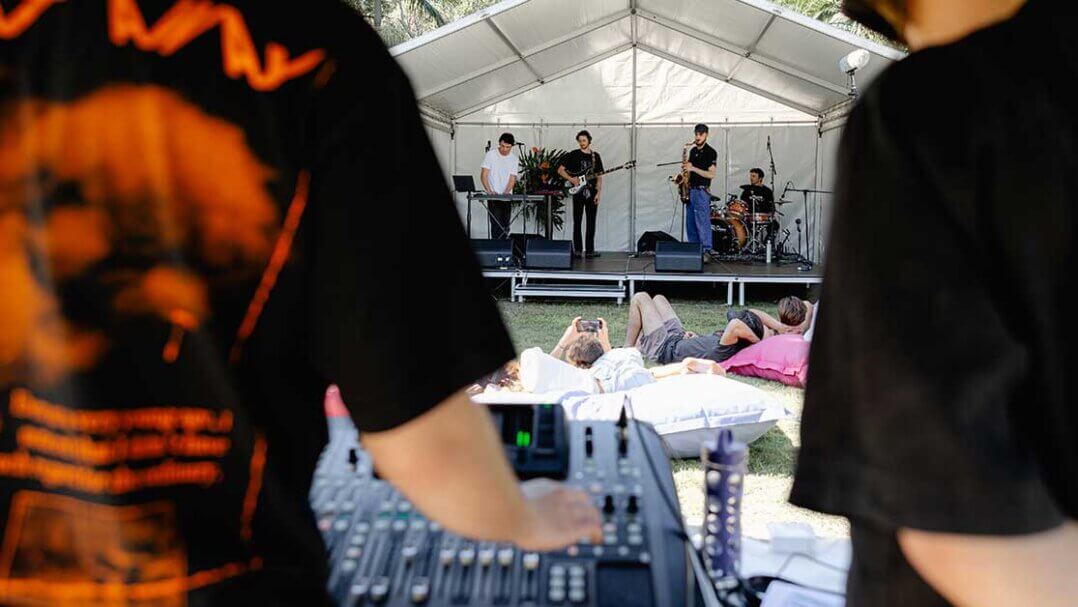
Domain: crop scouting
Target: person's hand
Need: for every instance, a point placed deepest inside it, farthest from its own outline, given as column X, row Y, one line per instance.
column 690, row 335
column 558, row 516
column 686, row 166
column 597, row 198
column 604, row 334
column 570, row 333
column 575, row 181
column 768, row 332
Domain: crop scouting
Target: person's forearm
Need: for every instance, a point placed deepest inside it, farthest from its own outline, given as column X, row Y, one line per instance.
column 564, row 174
column 558, row 351
column 486, row 182
column 1036, row 569
column 455, row 471
column 668, row 370
column 512, row 184
column 768, row 320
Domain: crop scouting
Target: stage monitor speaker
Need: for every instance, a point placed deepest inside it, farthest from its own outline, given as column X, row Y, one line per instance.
column 520, row 245
column 549, row 254
column 493, row 253
column 679, row 257
column 647, row 241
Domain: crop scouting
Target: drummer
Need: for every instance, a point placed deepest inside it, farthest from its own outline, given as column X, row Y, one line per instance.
column 766, row 201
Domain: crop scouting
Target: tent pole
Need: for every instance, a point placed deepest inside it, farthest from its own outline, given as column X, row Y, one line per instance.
column 632, row 173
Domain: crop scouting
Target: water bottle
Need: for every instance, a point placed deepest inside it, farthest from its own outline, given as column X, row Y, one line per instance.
column 769, row 252
column 725, row 462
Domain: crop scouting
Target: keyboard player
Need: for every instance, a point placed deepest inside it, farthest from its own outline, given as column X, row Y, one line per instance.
column 499, row 176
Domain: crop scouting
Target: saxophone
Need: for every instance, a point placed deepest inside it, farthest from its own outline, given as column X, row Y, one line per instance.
column 682, row 178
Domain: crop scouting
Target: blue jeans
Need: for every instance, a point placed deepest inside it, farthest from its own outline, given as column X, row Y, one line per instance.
column 698, row 217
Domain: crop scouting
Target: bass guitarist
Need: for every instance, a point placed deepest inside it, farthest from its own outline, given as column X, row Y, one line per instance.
column 584, row 164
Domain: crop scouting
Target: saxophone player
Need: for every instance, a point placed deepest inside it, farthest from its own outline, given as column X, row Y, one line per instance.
column 701, row 167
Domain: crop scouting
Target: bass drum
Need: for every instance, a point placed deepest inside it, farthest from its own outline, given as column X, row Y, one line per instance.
column 728, row 234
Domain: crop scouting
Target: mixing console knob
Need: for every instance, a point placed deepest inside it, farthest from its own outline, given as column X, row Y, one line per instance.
column 486, row 557
column 634, row 505
column 466, row 557
column 608, row 505
column 420, row 591
column 505, row 557
column 409, row 553
column 446, row 556
column 380, row 590
column 531, row 561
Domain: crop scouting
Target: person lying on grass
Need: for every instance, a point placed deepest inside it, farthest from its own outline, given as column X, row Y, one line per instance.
column 656, row 331
column 617, row 369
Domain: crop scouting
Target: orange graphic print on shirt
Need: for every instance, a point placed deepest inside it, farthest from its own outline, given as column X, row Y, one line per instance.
column 126, row 207
column 122, row 184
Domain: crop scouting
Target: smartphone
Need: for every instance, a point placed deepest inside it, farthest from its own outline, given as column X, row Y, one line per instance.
column 588, row 326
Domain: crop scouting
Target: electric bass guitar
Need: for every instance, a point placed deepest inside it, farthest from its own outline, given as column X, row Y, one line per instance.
column 588, row 176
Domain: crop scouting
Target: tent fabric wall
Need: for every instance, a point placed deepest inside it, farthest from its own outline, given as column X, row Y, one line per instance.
column 666, row 93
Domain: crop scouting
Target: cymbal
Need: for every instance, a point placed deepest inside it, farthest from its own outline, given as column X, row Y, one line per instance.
column 785, row 201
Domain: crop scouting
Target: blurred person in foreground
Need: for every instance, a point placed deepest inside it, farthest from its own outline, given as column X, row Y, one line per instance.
column 939, row 415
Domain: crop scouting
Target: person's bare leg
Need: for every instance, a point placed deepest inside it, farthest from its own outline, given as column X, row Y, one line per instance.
column 662, row 305
column 735, row 331
column 643, row 318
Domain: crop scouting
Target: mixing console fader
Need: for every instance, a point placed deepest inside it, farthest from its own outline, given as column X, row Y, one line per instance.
column 383, row 552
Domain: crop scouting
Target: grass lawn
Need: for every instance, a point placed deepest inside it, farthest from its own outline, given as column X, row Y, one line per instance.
column 771, row 458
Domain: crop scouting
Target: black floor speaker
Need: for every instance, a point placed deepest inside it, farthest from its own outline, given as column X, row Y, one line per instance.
column 679, row 257
column 549, row 254
column 520, row 245
column 493, row 253
column 648, row 240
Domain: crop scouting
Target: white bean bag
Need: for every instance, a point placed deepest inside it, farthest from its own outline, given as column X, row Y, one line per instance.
column 685, row 410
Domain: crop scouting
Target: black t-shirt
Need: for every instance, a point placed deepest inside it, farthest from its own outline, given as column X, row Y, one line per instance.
column 701, row 158
column 940, row 396
column 766, row 204
column 709, row 346
column 192, row 248
column 578, row 163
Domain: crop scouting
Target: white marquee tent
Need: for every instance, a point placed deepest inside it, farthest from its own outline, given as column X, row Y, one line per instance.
column 638, row 74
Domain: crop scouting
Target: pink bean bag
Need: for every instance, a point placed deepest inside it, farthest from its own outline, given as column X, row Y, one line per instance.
column 782, row 358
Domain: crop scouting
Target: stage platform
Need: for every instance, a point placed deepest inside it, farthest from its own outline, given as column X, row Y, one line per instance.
column 615, row 275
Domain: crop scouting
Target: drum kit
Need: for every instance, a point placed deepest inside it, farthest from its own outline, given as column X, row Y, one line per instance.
column 739, row 229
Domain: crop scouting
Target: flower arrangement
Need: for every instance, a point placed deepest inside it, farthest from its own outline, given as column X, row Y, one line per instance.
column 539, row 166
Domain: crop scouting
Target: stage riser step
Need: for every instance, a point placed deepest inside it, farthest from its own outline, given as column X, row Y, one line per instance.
column 576, row 291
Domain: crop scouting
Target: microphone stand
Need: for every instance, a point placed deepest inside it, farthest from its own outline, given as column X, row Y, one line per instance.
column 772, row 165
column 809, row 241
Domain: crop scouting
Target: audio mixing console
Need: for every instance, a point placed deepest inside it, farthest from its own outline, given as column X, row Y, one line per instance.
column 383, row 552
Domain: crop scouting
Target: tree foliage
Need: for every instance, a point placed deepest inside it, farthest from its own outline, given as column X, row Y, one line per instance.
column 403, row 20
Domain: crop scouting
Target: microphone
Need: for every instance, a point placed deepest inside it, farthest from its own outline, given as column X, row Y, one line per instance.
column 488, row 145
column 769, row 142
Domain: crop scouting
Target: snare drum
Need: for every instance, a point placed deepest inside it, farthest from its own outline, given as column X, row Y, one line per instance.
column 761, row 217
column 737, row 209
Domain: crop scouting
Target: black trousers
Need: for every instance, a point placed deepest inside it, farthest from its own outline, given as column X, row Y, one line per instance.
column 500, row 213
column 580, row 205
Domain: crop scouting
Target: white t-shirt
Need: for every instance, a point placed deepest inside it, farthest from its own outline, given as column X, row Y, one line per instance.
column 501, row 168
column 621, row 369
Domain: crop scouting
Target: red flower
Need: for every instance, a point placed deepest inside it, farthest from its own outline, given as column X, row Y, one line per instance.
column 544, row 165
column 535, row 150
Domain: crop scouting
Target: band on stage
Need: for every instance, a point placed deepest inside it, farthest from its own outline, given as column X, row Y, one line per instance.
column 744, row 225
